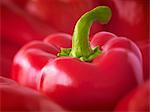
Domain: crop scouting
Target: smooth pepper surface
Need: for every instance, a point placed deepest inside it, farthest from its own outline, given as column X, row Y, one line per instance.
column 91, row 75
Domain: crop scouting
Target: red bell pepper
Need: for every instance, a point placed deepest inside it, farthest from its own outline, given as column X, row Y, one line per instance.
column 20, row 99
column 130, row 17
column 137, row 100
column 81, row 77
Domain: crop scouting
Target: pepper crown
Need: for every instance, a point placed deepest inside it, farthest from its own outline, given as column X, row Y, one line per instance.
column 80, row 43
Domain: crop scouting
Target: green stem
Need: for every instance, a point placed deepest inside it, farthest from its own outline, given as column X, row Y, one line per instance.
column 80, row 43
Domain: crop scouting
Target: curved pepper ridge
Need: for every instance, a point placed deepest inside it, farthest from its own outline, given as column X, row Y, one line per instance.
column 117, row 68
column 74, row 83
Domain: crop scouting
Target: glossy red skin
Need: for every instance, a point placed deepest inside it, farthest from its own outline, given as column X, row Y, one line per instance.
column 78, row 85
column 19, row 27
column 25, row 63
column 17, row 98
column 61, row 14
column 130, row 18
column 137, row 100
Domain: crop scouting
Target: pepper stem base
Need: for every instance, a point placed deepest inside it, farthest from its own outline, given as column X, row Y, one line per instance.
column 93, row 55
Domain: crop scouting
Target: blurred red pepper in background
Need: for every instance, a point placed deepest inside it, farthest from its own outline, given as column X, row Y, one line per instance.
column 19, row 27
column 61, row 14
column 17, row 98
column 19, row 3
column 145, row 49
column 8, row 50
column 137, row 100
column 130, row 18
